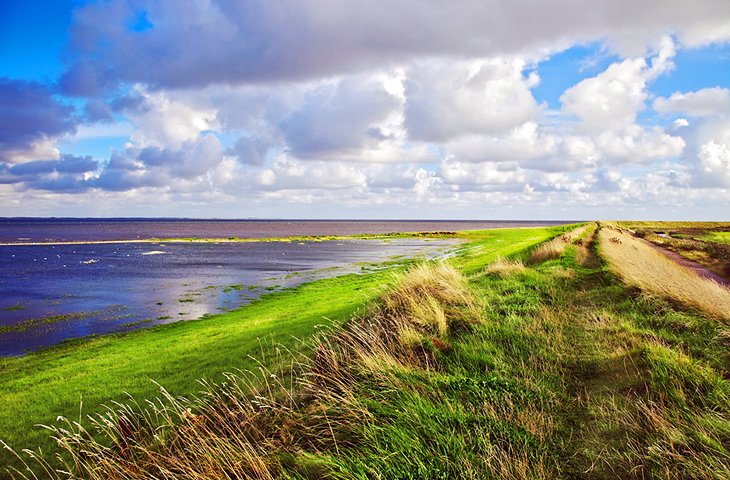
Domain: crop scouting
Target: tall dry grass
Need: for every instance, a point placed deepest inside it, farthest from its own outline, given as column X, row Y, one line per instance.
column 641, row 265
column 554, row 248
column 504, row 267
column 237, row 429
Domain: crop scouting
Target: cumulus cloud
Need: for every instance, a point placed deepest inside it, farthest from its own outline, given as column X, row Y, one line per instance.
column 288, row 173
column 153, row 166
column 338, row 118
column 360, row 104
column 715, row 162
column 162, row 120
column 222, row 41
column 66, row 174
column 708, row 152
column 523, row 142
column 30, row 116
column 445, row 100
column 707, row 136
column 638, row 144
column 612, row 99
column 700, row 103
column 193, row 159
column 251, row 150
column 482, row 177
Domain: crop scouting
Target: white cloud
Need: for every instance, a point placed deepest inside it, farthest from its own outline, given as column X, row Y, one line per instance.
column 612, row 99
column 446, row 100
column 288, row 173
column 715, row 163
column 638, row 144
column 482, row 177
column 700, row 103
column 168, row 122
column 523, row 142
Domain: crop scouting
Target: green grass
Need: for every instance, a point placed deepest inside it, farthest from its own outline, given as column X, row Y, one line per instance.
column 35, row 389
column 552, row 370
column 720, row 237
column 43, row 385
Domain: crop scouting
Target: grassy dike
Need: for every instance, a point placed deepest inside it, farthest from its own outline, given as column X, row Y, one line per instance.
column 37, row 388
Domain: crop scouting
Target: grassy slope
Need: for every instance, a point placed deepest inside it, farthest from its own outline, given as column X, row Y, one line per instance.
column 43, row 385
column 46, row 384
column 569, row 374
column 572, row 375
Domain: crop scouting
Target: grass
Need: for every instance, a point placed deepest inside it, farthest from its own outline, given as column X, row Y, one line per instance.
column 53, row 382
column 720, row 237
column 489, row 366
column 336, row 407
column 34, row 322
column 555, row 247
column 114, row 368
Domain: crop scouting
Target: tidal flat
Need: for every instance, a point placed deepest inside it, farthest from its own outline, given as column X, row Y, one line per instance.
column 50, row 293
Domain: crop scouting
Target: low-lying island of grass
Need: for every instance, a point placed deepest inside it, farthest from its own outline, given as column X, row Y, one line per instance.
column 509, row 360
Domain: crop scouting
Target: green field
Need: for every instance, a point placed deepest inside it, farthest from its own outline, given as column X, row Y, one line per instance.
column 721, row 237
column 88, row 373
column 518, row 358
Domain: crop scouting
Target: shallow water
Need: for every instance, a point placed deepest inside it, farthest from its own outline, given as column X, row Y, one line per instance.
column 50, row 293
column 64, row 230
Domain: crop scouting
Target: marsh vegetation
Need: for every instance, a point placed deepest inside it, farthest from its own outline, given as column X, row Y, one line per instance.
column 500, row 362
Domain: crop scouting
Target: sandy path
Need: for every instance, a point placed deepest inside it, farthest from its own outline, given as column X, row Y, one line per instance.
column 698, row 268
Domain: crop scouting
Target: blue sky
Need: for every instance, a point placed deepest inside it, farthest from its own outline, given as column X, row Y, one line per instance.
column 380, row 110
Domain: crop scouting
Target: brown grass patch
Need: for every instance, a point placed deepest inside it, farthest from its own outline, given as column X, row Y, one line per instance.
column 639, row 264
column 554, row 248
column 504, row 267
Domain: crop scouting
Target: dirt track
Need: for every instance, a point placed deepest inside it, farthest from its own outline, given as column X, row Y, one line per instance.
column 691, row 264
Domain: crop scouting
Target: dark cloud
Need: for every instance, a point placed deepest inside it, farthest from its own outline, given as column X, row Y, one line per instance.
column 86, row 79
column 65, row 174
column 29, row 113
column 60, row 183
column 33, row 168
column 127, row 102
column 73, row 164
column 159, row 167
column 251, row 150
column 338, row 118
column 97, row 110
column 187, row 44
column 124, row 172
column 192, row 160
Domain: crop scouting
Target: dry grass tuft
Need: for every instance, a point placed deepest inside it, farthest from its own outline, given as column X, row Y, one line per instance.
column 639, row 264
column 555, row 247
column 504, row 267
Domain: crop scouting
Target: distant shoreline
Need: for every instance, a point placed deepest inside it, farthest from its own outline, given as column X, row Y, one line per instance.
column 44, row 234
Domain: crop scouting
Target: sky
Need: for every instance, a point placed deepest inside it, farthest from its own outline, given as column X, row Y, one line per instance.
column 366, row 109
